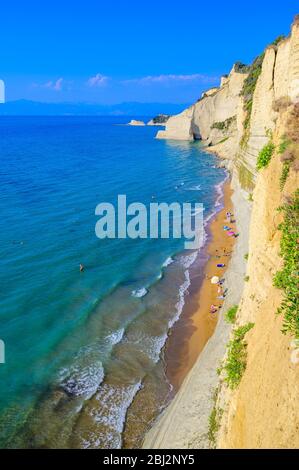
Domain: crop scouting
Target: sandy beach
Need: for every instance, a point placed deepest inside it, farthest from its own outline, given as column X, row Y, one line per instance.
column 201, row 322
column 184, row 422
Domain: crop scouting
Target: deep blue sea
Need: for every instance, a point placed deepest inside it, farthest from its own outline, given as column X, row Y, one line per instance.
column 80, row 346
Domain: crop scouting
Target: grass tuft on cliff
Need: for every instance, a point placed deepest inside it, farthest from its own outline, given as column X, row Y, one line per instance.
column 235, row 364
column 214, row 420
column 247, row 92
column 287, row 278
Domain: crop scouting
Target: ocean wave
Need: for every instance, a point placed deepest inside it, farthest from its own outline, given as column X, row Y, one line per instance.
column 196, row 211
column 139, row 293
column 219, row 190
column 115, row 337
column 109, row 417
column 83, row 380
column 220, row 193
column 188, row 260
column 181, row 302
column 151, row 346
column 167, row 262
column 194, row 188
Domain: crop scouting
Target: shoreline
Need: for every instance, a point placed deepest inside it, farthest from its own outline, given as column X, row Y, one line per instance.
column 184, row 422
column 197, row 324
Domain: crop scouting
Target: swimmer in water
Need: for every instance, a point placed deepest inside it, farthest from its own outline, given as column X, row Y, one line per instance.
column 81, row 268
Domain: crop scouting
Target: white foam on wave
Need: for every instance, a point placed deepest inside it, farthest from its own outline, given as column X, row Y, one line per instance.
column 167, row 262
column 196, row 211
column 82, row 380
column 151, row 346
column 188, row 260
column 195, row 188
column 181, row 302
column 139, row 293
column 219, row 190
column 109, row 417
column 115, row 337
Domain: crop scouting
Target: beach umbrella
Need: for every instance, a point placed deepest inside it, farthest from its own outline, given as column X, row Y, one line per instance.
column 215, row 280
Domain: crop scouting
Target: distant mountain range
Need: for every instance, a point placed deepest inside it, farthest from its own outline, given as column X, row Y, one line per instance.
column 35, row 108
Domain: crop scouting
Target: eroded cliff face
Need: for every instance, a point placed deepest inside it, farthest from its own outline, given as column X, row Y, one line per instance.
column 216, row 106
column 262, row 410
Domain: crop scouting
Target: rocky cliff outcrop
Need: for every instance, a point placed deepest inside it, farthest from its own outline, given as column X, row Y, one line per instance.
column 216, row 106
column 237, row 127
column 262, row 410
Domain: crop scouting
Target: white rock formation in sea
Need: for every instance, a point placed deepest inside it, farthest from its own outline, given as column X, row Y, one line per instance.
column 178, row 127
column 135, row 122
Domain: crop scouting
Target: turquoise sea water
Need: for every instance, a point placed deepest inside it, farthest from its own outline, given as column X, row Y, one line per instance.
column 80, row 346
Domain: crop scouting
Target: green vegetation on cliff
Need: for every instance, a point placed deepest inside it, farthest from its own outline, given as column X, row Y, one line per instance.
column 214, row 420
column 230, row 316
column 161, row 118
column 235, row 364
column 278, row 40
column 265, row 155
column 289, row 145
column 224, row 125
column 287, row 278
column 247, row 92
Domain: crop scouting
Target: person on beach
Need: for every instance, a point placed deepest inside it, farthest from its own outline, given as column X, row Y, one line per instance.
column 213, row 308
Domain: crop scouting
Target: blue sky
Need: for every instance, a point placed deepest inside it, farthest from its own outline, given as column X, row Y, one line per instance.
column 113, row 51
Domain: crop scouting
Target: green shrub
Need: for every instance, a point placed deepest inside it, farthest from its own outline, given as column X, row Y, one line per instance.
column 284, row 143
column 246, row 278
column 287, row 278
column 241, row 68
column 231, row 314
column 235, row 364
column 213, row 427
column 265, row 155
column 214, row 420
column 250, row 197
column 250, row 82
column 246, row 257
column 284, row 174
column 161, row 118
column 247, row 92
column 223, row 125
